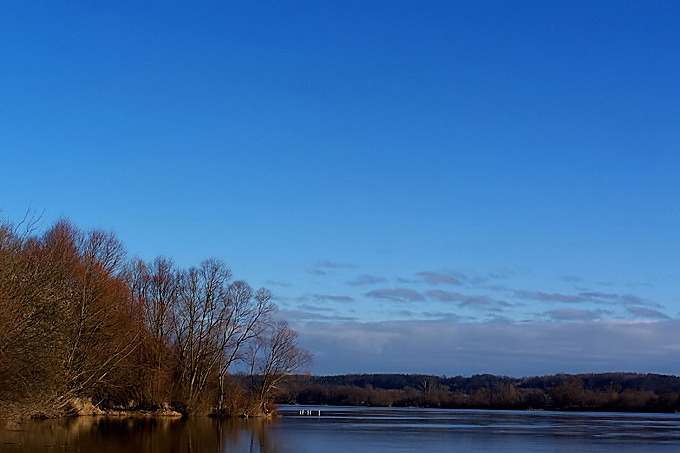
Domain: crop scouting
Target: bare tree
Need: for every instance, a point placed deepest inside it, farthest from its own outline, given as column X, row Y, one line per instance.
column 78, row 320
column 243, row 322
column 155, row 288
column 201, row 312
column 22, row 313
column 65, row 316
column 273, row 357
column 161, row 299
column 101, row 326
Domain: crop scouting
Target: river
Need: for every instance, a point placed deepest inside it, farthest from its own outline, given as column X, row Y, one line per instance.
column 355, row 429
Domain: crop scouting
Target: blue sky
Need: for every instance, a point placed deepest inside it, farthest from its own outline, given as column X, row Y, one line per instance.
column 448, row 187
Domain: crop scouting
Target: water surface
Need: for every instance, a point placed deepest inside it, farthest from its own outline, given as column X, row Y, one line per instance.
column 354, row 429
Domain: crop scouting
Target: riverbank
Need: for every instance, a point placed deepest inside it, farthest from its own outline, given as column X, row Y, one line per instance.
column 77, row 407
column 83, row 407
column 611, row 392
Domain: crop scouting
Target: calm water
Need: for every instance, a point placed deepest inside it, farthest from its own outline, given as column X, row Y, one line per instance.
column 355, row 429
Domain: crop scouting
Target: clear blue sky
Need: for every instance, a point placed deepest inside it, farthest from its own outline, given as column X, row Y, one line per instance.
column 441, row 187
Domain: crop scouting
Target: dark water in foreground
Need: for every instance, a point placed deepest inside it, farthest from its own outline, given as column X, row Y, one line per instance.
column 355, row 429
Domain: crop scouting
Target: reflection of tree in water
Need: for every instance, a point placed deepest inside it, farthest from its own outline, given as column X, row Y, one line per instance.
column 141, row 434
column 251, row 435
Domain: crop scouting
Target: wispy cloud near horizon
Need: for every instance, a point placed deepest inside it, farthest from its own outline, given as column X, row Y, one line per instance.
column 436, row 278
column 450, row 347
column 366, row 279
column 647, row 313
column 322, row 267
column 327, row 298
column 595, row 297
column 297, row 316
column 572, row 314
column 328, row 264
column 550, row 297
column 465, row 299
column 396, row 294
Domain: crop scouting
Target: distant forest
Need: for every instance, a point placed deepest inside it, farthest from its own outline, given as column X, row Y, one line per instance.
column 582, row 392
column 82, row 323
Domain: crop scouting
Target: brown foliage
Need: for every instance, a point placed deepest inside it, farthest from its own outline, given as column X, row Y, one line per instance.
column 65, row 314
column 77, row 320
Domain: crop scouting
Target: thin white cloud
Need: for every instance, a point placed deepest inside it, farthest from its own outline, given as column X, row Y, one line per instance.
column 596, row 297
column 307, row 307
column 599, row 295
column 333, row 265
column 366, row 279
column 465, row 299
column 647, row 313
column 277, row 283
column 396, row 294
column 550, row 297
column 436, row 278
column 301, row 315
column 573, row 314
column 324, row 267
column 330, row 298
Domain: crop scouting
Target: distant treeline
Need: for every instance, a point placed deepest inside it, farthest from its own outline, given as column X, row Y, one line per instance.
column 81, row 321
column 590, row 392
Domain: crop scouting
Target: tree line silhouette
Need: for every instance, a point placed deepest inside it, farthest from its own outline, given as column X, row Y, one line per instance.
column 585, row 392
column 80, row 321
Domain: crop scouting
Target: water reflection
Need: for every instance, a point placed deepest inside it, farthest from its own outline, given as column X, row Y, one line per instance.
column 354, row 429
column 131, row 435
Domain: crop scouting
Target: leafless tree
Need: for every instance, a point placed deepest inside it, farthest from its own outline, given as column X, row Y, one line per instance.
column 98, row 329
column 273, row 357
column 65, row 316
column 201, row 312
column 21, row 312
column 155, row 288
column 78, row 319
column 244, row 321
